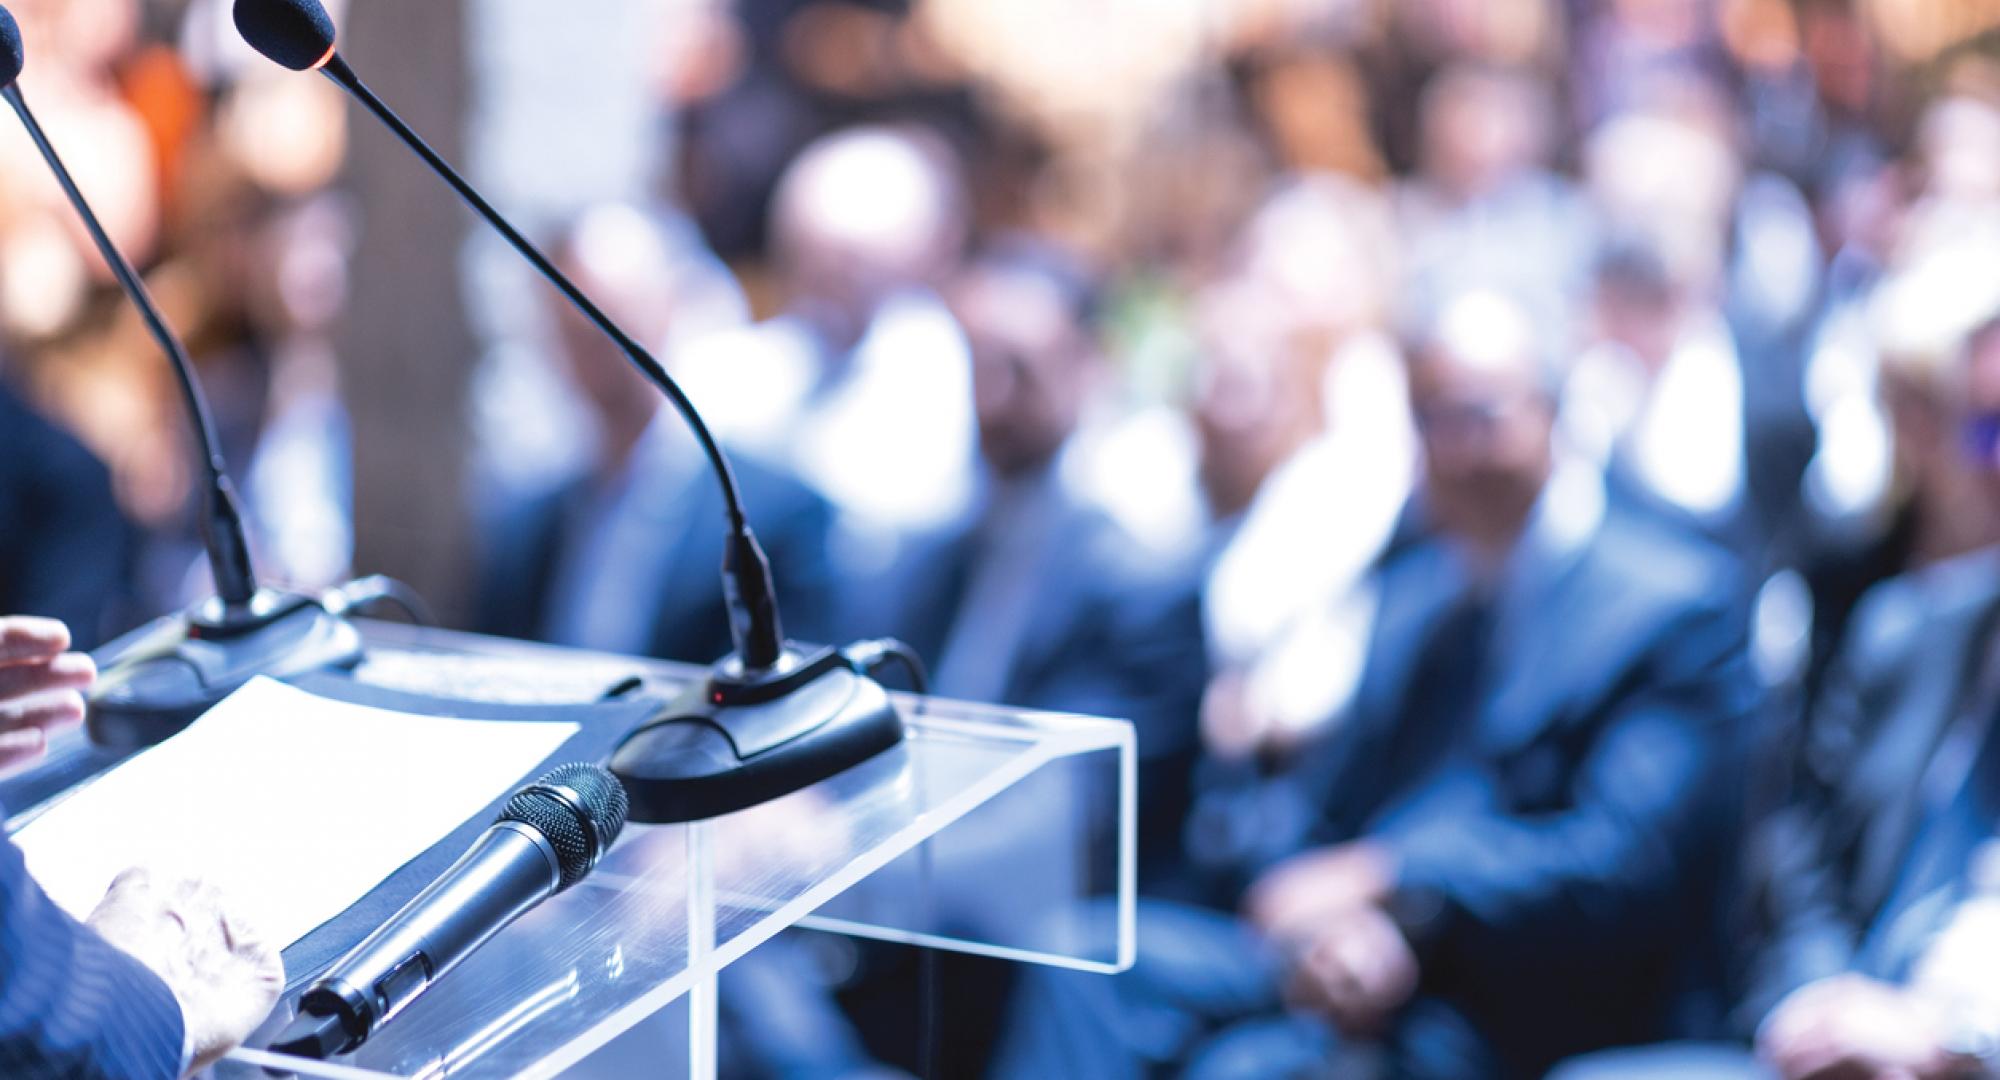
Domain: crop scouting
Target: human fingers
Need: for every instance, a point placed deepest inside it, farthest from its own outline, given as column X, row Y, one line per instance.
column 64, row 671
column 25, row 638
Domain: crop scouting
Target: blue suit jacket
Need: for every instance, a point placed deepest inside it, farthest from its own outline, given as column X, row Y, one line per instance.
column 1110, row 632
column 71, row 1005
column 64, row 546
column 1839, row 851
column 690, row 623
column 1560, row 852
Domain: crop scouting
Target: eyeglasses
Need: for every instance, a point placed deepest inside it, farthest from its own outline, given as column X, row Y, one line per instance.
column 1466, row 420
column 1980, row 438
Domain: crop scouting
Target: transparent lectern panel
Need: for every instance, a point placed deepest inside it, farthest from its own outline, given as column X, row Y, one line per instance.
column 672, row 905
column 1035, row 873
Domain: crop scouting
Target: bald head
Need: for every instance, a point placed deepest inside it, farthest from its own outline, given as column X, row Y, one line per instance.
column 1481, row 395
column 1482, row 126
column 866, row 211
column 622, row 259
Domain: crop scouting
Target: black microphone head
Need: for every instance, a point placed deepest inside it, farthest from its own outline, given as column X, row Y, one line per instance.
column 579, row 808
column 12, row 58
column 296, row 33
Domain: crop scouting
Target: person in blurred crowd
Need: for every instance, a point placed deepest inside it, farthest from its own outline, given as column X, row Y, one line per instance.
column 1913, row 272
column 862, row 385
column 627, row 558
column 1772, row 280
column 1880, row 879
column 1869, row 471
column 1306, row 456
column 1500, row 852
column 47, row 266
column 1656, row 400
column 1484, row 207
column 163, row 980
column 1926, row 505
column 1888, row 489
column 1689, row 384
column 64, row 553
column 1034, row 599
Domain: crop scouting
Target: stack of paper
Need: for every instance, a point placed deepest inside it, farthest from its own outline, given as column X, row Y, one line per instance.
column 294, row 805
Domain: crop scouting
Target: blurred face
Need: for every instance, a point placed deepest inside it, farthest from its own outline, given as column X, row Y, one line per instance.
column 858, row 218
column 1478, row 132
column 1031, row 366
column 619, row 397
column 1648, row 325
column 1485, row 425
column 1259, row 400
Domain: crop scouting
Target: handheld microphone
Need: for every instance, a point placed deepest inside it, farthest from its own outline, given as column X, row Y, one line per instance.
column 161, row 676
column 549, row 837
column 770, row 718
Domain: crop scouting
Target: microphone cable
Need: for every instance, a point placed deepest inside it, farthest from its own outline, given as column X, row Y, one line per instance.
column 870, row 657
column 367, row 592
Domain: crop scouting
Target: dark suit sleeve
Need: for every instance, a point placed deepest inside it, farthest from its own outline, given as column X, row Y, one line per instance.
column 71, row 1005
column 71, row 564
column 1810, row 934
column 516, row 560
column 799, row 540
column 1143, row 659
column 1610, row 870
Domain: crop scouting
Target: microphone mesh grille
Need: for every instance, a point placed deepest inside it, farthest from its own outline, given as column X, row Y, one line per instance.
column 294, row 33
column 11, row 55
column 569, row 828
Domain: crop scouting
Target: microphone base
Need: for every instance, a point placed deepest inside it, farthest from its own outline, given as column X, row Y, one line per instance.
column 733, row 741
column 157, row 679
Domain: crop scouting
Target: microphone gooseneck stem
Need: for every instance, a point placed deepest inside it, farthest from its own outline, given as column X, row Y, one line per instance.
column 747, row 583
column 222, row 523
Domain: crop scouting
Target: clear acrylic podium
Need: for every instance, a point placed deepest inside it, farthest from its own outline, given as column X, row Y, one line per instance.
column 906, row 847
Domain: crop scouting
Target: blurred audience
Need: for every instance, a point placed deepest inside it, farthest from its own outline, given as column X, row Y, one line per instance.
column 1525, row 795
column 1609, row 669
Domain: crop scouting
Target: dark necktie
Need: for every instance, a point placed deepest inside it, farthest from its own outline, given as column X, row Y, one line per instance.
column 1428, row 734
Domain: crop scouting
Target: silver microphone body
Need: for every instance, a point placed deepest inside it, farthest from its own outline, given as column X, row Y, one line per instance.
column 509, row 870
column 549, row 837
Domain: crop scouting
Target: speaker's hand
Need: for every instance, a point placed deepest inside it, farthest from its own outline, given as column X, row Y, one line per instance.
column 41, row 686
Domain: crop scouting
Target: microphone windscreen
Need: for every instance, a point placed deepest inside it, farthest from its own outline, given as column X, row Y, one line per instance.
column 12, row 59
column 580, row 809
column 296, row 33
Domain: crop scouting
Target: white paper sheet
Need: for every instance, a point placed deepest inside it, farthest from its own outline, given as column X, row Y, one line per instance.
column 294, row 805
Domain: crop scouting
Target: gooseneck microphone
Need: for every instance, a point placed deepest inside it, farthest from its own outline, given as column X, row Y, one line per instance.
column 159, row 677
column 550, row 835
column 299, row 34
column 771, row 717
column 222, row 524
